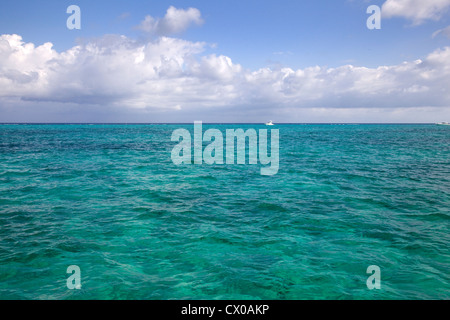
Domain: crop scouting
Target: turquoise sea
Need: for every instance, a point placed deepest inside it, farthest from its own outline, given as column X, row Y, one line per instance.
column 108, row 199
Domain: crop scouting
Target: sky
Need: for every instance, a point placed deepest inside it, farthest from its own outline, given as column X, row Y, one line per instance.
column 225, row 61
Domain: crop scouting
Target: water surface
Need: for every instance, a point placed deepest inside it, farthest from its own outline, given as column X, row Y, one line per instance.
column 109, row 199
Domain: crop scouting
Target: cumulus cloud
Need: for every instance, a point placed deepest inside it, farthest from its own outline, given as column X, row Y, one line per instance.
column 172, row 74
column 175, row 21
column 416, row 10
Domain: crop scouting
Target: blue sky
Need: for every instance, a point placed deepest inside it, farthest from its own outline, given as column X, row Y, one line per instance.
column 254, row 35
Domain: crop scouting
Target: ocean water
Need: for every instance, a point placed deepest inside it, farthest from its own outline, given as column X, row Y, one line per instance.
column 108, row 199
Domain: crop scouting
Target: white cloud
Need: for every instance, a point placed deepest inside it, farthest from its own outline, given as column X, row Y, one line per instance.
column 444, row 31
column 123, row 75
column 175, row 21
column 416, row 10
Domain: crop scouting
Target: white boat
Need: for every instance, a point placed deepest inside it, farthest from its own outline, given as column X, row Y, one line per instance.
column 270, row 123
column 443, row 124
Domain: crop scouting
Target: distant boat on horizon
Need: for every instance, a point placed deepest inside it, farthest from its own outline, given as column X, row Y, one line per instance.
column 270, row 123
column 443, row 124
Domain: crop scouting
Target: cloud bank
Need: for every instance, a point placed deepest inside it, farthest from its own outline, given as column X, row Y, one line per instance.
column 416, row 10
column 171, row 73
